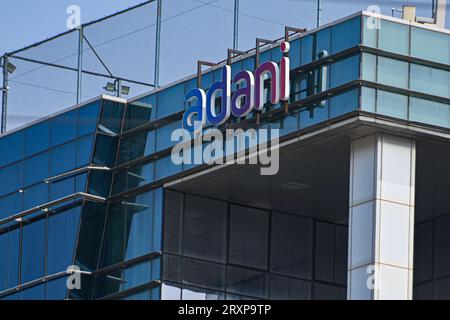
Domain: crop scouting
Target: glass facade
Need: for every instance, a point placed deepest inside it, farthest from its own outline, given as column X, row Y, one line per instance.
column 86, row 187
column 219, row 250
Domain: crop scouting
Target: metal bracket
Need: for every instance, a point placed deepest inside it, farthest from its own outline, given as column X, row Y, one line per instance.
column 232, row 53
column 200, row 64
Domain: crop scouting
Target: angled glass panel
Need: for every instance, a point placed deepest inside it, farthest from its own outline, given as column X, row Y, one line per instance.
column 91, row 230
column 111, row 117
column 105, row 150
column 113, row 240
column 87, row 118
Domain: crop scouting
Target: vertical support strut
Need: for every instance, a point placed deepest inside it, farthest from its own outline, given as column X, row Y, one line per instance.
column 158, row 41
column 319, row 13
column 236, row 25
column 4, row 93
column 80, row 64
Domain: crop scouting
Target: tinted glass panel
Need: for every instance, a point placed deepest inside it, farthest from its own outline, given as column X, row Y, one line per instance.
column 394, row 37
column 249, row 237
column 291, row 245
column 33, row 251
column 205, row 228
column 62, row 234
column 64, row 127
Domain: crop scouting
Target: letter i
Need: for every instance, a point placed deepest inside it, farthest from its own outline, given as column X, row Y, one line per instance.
column 285, row 85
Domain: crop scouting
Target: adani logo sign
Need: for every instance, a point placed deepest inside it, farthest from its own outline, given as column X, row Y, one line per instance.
column 249, row 96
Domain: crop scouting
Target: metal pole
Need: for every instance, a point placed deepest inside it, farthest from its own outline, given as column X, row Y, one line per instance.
column 158, row 42
column 236, row 25
column 319, row 13
column 80, row 64
column 4, row 93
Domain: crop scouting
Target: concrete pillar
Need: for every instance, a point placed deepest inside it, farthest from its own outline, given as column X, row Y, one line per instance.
column 381, row 220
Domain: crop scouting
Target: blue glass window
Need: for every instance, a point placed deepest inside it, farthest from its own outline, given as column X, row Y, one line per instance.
column 33, row 293
column 84, row 149
column 62, row 188
column 393, row 72
column 62, row 234
column 11, row 148
column 430, row 45
column 430, row 80
column 368, row 99
column 13, row 175
column 56, row 289
column 344, row 71
column 346, row 35
column 10, row 204
column 430, row 112
column 370, row 32
column 323, row 43
column 294, row 53
column 35, row 196
column 369, row 67
column 9, row 251
column 344, row 103
column 163, row 136
column 36, row 169
column 37, row 138
column 314, row 115
column 139, row 113
column 165, row 168
column 394, row 37
column 170, row 100
column 139, row 222
column 392, row 104
column 63, row 158
column 307, row 49
column 140, row 175
column 33, row 250
column 64, row 127
column 88, row 116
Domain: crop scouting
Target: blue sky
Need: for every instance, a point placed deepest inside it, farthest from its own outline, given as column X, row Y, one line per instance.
column 192, row 30
column 24, row 22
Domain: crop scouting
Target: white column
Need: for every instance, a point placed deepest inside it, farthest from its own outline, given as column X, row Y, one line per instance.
column 381, row 221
